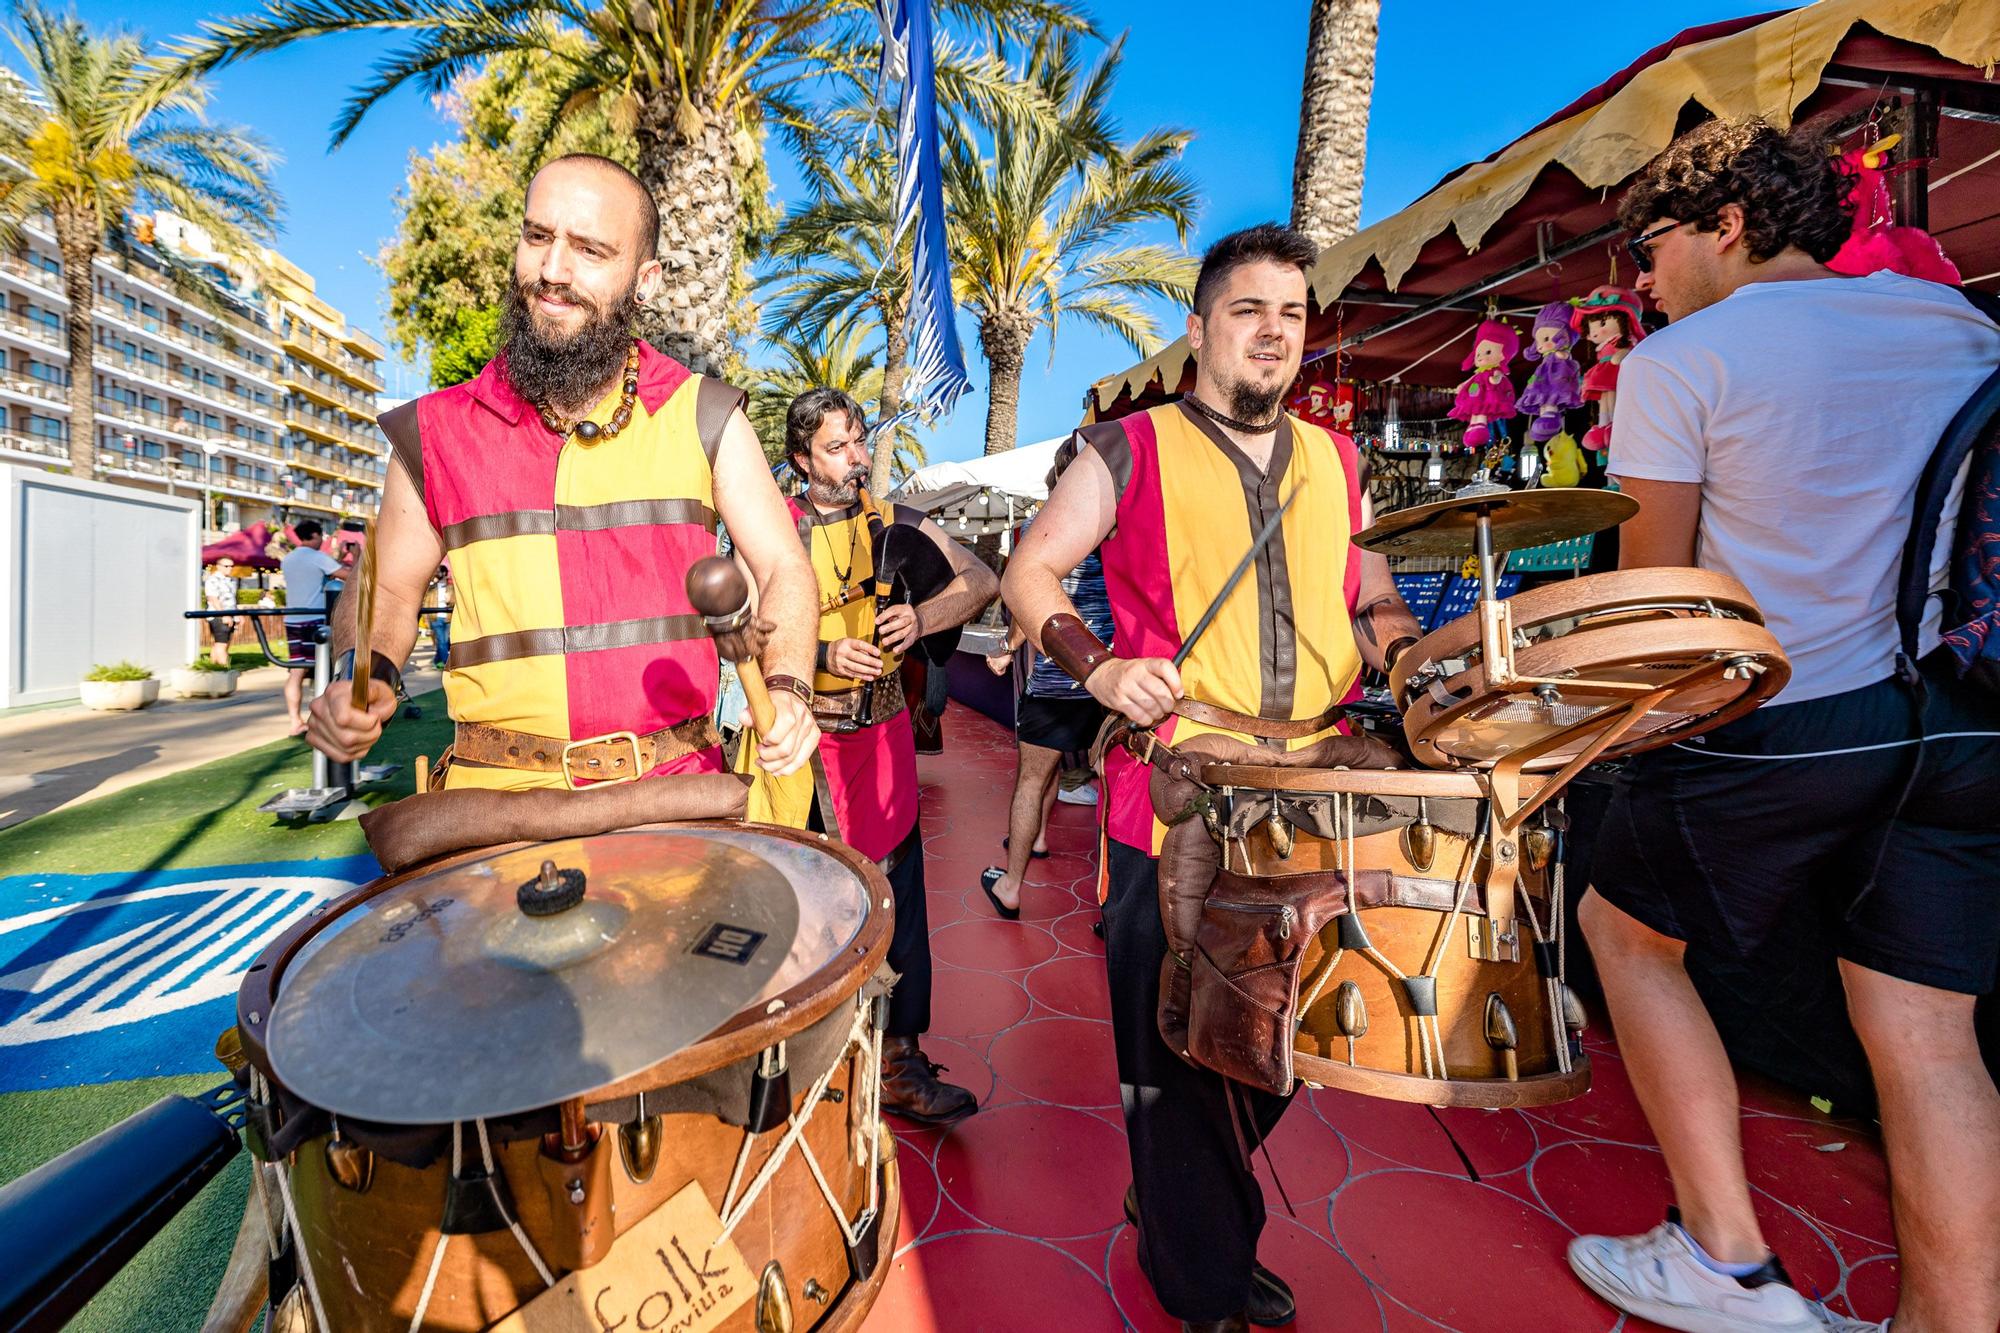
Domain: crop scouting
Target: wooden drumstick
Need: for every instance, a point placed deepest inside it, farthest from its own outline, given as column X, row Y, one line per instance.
column 718, row 590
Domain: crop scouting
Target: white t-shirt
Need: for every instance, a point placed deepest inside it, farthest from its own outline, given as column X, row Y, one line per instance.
column 1806, row 411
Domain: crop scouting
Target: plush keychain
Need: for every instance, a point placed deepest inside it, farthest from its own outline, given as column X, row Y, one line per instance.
column 1565, row 462
column 1609, row 318
column 1556, row 386
column 1485, row 401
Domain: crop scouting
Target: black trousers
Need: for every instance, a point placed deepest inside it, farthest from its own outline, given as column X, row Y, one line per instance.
column 1200, row 1209
column 910, row 941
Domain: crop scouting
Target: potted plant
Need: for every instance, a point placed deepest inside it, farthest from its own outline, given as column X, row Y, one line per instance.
column 119, row 687
column 203, row 678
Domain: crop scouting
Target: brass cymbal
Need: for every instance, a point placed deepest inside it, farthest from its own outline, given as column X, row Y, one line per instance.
column 479, row 990
column 1520, row 519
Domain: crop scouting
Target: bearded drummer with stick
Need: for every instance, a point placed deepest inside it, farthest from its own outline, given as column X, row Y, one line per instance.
column 573, row 483
column 1267, row 661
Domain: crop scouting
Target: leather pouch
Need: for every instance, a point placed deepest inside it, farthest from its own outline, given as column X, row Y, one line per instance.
column 1243, row 984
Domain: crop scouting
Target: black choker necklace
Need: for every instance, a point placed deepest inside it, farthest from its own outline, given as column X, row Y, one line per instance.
column 1248, row 428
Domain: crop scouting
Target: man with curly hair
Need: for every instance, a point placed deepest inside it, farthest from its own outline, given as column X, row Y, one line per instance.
column 1775, row 431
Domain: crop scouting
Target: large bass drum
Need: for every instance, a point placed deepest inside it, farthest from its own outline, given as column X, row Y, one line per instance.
column 1408, row 994
column 493, row 1191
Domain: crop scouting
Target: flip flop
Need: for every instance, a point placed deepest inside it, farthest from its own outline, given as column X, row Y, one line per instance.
column 1033, row 855
column 987, row 879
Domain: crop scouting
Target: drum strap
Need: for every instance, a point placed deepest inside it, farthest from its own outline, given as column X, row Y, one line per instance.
column 1263, row 728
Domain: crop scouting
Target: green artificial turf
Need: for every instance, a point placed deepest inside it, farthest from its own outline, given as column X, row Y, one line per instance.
column 208, row 815
column 168, row 1286
column 205, row 816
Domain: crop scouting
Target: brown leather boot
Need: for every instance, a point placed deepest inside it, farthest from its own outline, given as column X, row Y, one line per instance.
column 911, row 1088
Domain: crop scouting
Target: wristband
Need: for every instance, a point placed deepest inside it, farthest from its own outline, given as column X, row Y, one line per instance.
column 379, row 668
column 798, row 688
column 1396, row 650
column 819, row 658
column 1068, row 642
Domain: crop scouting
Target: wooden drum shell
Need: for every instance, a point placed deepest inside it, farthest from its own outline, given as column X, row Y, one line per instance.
column 1387, row 1059
column 371, row 1250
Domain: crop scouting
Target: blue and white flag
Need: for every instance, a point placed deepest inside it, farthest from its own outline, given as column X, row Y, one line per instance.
column 937, row 363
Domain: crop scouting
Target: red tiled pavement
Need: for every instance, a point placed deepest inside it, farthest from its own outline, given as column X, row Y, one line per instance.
column 1011, row 1218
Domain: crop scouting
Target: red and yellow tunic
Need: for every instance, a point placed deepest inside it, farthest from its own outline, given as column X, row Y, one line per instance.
column 871, row 773
column 1189, row 505
column 571, row 618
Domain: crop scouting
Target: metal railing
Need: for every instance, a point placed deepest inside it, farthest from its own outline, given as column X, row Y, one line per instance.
column 116, row 361
column 37, row 446
column 33, row 328
column 15, row 382
column 330, row 353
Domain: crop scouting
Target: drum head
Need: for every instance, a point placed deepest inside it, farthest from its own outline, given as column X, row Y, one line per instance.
column 440, row 999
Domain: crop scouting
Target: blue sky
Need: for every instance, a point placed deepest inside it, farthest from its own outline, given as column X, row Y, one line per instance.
column 1455, row 80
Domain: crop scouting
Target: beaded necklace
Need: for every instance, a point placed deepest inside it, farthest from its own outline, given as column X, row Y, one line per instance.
column 588, row 431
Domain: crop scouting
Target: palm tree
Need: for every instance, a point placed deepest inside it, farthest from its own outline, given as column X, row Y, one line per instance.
column 1040, row 228
column 837, row 270
column 1333, row 118
column 693, row 81
column 96, row 133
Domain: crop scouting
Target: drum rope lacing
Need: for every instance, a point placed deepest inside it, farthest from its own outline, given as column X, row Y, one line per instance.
column 260, row 1088
column 866, row 1036
column 444, row 1238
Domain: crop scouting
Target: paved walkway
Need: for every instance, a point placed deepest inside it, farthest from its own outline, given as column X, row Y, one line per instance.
column 1406, row 1222
column 53, row 757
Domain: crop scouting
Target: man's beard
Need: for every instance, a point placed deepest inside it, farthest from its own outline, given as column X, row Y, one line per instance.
column 837, row 494
column 566, row 371
column 1248, row 402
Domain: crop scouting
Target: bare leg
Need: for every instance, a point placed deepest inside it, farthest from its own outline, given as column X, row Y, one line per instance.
column 295, row 688
column 1034, row 778
column 1048, row 804
column 1681, row 1075
column 218, row 653
column 1941, row 1125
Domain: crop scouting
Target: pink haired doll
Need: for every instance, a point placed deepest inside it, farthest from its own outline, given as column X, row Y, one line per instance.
column 1486, row 400
column 1609, row 317
column 1556, row 386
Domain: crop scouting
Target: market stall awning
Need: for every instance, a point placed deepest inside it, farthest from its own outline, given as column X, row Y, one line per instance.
column 1023, row 471
column 1400, row 289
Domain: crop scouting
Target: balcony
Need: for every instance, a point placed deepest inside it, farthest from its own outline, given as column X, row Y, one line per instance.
column 15, row 266
column 333, row 432
column 118, row 410
column 333, row 395
column 172, row 471
column 332, row 463
column 27, row 386
column 310, row 343
column 34, row 448
column 114, row 361
column 335, row 502
column 13, row 321
column 220, row 354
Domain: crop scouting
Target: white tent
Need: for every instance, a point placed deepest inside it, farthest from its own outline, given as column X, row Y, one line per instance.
column 1022, row 473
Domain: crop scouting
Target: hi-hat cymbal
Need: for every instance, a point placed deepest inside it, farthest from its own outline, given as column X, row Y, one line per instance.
column 1520, row 519
column 459, row 994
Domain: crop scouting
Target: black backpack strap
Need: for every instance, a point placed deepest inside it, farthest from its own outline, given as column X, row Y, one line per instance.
column 1973, row 424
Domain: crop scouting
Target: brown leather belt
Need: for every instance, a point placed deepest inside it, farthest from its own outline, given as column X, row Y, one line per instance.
column 840, row 710
column 1264, row 728
column 616, row 756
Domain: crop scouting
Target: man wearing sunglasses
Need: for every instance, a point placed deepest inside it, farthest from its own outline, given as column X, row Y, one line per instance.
column 1775, row 431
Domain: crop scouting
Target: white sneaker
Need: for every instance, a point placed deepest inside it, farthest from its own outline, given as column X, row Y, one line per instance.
column 1083, row 795
column 1840, row 1323
column 1659, row 1277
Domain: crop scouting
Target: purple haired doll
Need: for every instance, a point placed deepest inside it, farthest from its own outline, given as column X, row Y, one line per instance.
column 1556, row 386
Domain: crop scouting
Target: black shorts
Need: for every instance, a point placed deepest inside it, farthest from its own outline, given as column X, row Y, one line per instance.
column 222, row 631
column 1068, row 725
column 302, row 639
column 1766, row 835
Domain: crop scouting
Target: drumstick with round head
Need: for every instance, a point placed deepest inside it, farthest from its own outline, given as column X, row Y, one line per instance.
column 718, row 590
column 1350, row 1015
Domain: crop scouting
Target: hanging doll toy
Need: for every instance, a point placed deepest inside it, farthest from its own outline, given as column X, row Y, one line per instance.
column 1326, row 403
column 1485, row 401
column 1877, row 242
column 1609, row 318
column 1556, row 386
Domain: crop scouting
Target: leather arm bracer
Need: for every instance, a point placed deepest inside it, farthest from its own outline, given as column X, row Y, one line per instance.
column 1068, row 642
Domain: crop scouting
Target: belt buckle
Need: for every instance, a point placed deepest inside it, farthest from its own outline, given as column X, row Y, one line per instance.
column 609, row 737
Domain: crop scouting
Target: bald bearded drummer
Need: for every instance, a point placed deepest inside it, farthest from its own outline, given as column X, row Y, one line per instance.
column 572, row 483
column 864, row 779
column 1171, row 499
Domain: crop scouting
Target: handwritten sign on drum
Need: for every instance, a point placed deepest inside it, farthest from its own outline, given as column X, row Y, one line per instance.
column 668, row 1274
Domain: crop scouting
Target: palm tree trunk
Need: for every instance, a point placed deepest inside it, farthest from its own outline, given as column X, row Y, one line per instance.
column 1333, row 118
column 77, row 232
column 895, row 367
column 1003, row 336
column 693, row 180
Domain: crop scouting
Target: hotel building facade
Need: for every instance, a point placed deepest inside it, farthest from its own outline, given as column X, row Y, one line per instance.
column 257, row 388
